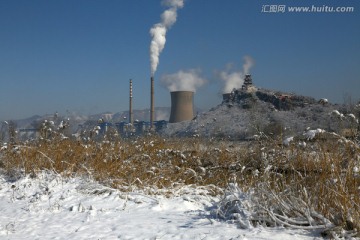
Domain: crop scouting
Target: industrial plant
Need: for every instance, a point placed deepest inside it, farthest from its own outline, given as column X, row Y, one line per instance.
column 242, row 110
column 234, row 115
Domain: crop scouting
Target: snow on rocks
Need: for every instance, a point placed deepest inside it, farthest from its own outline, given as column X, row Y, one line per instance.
column 352, row 117
column 338, row 114
column 288, row 140
column 323, row 101
column 4, row 147
column 310, row 134
column 302, row 144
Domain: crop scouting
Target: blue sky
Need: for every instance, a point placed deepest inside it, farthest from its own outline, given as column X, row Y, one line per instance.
column 78, row 55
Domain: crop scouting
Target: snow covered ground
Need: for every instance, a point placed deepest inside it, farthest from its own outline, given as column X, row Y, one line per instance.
column 51, row 207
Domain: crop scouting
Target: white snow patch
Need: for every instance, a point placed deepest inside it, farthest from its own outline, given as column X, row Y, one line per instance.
column 288, row 140
column 337, row 113
column 352, row 116
column 310, row 134
column 52, row 207
column 302, row 144
column 4, row 147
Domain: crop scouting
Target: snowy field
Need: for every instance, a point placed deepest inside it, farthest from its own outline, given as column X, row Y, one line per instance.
column 51, row 207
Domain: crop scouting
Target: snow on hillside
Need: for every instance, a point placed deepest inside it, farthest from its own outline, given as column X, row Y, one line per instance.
column 251, row 113
column 51, row 207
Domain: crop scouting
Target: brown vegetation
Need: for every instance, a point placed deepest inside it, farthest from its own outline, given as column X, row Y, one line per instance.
column 322, row 177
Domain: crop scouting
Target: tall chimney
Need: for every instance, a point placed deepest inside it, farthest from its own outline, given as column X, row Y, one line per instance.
column 181, row 106
column 131, row 121
column 152, row 107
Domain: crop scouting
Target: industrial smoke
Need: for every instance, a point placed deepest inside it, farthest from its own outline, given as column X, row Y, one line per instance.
column 249, row 62
column 158, row 31
column 236, row 79
column 188, row 80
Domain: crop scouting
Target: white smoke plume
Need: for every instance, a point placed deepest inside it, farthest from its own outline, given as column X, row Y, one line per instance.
column 236, row 79
column 162, row 115
column 158, row 31
column 249, row 62
column 183, row 80
column 232, row 80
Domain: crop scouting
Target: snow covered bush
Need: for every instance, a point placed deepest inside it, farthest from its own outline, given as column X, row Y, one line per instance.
column 236, row 206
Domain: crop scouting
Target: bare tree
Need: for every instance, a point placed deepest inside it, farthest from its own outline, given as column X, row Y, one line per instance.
column 348, row 102
column 12, row 132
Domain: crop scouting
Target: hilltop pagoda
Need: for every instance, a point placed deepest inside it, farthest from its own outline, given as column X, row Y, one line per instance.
column 247, row 82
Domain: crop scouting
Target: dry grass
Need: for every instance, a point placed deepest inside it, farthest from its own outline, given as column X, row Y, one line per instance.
column 324, row 176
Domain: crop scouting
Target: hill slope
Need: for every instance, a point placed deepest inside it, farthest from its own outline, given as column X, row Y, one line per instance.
column 245, row 113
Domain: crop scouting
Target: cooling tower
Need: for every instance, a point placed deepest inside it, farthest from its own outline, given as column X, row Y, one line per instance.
column 181, row 106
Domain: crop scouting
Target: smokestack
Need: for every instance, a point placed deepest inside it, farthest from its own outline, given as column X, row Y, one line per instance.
column 181, row 106
column 131, row 121
column 152, row 107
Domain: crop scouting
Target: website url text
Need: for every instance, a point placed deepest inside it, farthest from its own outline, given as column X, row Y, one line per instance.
column 308, row 9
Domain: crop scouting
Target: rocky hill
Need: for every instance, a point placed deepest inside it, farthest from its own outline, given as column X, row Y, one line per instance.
column 245, row 113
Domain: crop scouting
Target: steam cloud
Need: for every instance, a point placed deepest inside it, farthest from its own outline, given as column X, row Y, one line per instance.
column 236, row 79
column 158, row 31
column 249, row 62
column 183, row 80
column 162, row 115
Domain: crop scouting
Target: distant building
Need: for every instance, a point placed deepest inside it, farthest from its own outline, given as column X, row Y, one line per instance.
column 247, row 82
